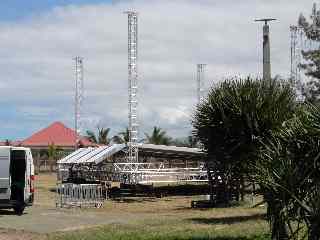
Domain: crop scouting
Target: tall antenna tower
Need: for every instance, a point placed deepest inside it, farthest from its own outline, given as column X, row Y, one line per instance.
column 200, row 81
column 78, row 98
column 295, row 56
column 133, row 85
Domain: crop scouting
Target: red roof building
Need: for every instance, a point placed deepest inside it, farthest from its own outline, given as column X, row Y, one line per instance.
column 58, row 134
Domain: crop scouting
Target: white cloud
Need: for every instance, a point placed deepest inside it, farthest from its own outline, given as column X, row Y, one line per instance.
column 37, row 68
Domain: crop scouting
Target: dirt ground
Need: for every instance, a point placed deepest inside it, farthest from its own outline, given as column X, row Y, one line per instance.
column 44, row 218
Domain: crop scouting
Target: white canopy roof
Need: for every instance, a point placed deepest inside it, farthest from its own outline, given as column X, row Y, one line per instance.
column 99, row 154
column 169, row 148
column 91, row 155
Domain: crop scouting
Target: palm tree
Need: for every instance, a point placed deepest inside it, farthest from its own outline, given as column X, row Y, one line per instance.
column 158, row 137
column 101, row 137
column 122, row 137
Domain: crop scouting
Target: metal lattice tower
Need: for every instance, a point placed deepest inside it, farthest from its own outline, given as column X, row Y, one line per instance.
column 78, row 98
column 200, row 81
column 133, row 85
column 296, row 36
column 293, row 53
column 300, row 43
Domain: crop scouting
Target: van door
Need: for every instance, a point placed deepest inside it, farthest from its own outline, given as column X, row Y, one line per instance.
column 4, row 173
column 28, row 179
column 18, row 167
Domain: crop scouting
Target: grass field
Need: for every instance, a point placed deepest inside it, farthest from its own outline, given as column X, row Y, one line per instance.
column 153, row 218
column 173, row 219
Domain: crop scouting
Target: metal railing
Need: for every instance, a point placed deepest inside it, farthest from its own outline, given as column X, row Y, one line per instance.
column 80, row 195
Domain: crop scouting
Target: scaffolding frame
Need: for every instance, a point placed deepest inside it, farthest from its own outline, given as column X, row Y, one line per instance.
column 133, row 86
column 200, row 81
column 297, row 39
column 134, row 173
column 301, row 43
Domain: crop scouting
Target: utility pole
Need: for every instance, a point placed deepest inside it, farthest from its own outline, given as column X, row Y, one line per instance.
column 133, row 85
column 266, row 47
column 200, row 81
column 78, row 98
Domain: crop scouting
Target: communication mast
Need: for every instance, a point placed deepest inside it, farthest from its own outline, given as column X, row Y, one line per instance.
column 133, row 85
column 200, row 81
column 78, row 98
column 266, row 47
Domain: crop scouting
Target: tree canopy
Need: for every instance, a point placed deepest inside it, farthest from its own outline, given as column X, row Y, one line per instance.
column 158, row 137
column 237, row 114
column 288, row 171
column 121, row 137
column 101, row 137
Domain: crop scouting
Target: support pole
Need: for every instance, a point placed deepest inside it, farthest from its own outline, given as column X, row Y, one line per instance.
column 266, row 48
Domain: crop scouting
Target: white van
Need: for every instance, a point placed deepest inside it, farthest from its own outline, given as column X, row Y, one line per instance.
column 16, row 178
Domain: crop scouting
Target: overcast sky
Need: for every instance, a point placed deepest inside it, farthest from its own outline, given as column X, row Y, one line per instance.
column 39, row 38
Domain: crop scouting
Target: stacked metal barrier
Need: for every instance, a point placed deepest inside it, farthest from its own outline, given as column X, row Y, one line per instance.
column 79, row 195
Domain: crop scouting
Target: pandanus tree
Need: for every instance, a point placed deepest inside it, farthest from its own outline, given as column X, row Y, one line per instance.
column 235, row 116
column 288, row 171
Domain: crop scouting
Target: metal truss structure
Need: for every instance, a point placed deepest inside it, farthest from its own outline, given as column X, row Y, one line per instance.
column 78, row 98
column 105, row 163
column 89, row 163
column 297, row 46
column 134, row 173
column 301, row 43
column 147, row 173
column 200, row 81
column 133, row 86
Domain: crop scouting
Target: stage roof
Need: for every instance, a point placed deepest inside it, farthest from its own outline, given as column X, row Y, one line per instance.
column 99, row 154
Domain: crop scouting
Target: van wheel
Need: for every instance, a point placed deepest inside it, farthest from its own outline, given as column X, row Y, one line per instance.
column 18, row 210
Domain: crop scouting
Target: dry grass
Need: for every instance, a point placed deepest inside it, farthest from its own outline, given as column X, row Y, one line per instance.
column 44, row 185
column 165, row 218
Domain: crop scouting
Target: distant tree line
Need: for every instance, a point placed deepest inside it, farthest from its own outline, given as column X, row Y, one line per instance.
column 158, row 136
